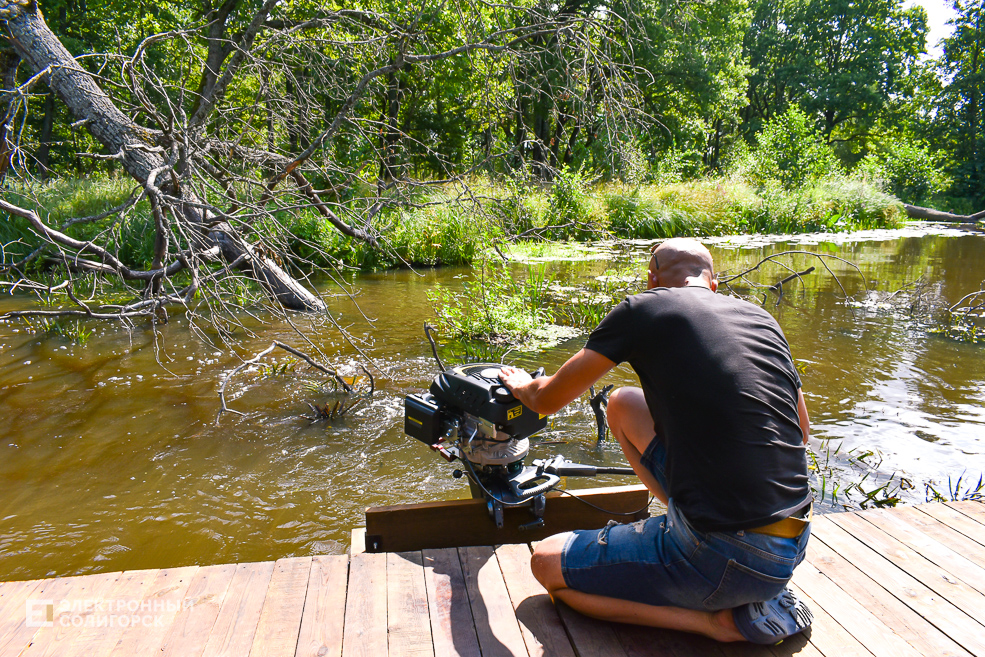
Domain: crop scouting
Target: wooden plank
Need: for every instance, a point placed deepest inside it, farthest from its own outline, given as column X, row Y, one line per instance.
column 357, row 544
column 495, row 624
column 158, row 608
column 949, row 619
column 77, row 604
column 933, row 576
column 638, row 641
column 893, row 613
column 364, row 634
column 280, row 618
column 827, row 634
column 972, row 509
column 955, row 520
column 234, row 627
column 15, row 634
column 956, row 564
column 541, row 627
column 452, row 626
column 100, row 638
column 324, row 608
column 590, row 637
column 408, row 623
column 13, row 609
column 189, row 632
column 941, row 532
column 867, row 629
column 799, row 645
column 460, row 523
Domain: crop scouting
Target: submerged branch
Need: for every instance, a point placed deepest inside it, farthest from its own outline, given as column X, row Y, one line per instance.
column 336, row 377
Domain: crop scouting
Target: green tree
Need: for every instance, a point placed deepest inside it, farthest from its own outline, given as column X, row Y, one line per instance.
column 959, row 108
column 842, row 61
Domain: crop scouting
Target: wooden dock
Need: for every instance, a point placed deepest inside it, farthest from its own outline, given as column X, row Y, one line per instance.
column 903, row 582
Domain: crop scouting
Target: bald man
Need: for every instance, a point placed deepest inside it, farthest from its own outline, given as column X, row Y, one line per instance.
column 717, row 431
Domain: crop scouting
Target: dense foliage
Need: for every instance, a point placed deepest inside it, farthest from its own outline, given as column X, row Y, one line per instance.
column 599, row 118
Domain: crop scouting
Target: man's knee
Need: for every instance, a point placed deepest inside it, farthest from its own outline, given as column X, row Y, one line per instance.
column 545, row 563
column 629, row 417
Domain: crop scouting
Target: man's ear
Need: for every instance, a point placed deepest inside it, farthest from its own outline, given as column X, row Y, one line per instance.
column 714, row 285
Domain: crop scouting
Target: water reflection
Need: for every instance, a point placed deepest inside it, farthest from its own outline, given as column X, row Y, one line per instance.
column 111, row 461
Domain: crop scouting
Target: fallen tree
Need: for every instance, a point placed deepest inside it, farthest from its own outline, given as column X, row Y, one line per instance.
column 928, row 214
column 223, row 152
column 134, row 147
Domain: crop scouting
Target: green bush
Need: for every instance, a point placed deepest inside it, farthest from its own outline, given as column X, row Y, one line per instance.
column 493, row 306
column 572, row 213
column 790, row 151
column 908, row 170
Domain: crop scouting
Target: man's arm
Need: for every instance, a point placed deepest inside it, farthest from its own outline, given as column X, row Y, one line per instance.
column 805, row 422
column 549, row 394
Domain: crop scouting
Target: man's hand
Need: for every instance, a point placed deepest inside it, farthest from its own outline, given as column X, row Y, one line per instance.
column 549, row 394
column 514, row 378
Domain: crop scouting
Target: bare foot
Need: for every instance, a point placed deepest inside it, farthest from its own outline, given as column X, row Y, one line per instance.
column 723, row 627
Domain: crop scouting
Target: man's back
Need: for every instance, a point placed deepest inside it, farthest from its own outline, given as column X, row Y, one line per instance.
column 722, row 388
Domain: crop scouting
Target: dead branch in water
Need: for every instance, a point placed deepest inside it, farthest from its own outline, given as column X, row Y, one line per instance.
column 338, row 411
column 778, row 287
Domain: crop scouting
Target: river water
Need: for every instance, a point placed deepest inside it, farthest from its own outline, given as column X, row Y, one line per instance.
column 112, row 458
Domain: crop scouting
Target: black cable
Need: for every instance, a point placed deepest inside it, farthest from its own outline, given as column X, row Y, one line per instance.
column 613, row 513
column 434, row 347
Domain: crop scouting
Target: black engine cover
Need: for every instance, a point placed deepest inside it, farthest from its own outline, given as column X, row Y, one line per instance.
column 476, row 389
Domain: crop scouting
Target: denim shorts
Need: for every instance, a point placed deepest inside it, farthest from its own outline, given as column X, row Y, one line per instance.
column 664, row 561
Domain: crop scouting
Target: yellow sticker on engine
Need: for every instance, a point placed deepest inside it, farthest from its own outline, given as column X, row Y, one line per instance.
column 514, row 413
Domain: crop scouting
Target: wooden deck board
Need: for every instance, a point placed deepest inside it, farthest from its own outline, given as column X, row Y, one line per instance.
column 956, row 520
column 98, row 639
column 158, row 608
column 827, row 634
column 234, row 627
column 192, row 625
column 904, row 621
column 58, row 638
column 280, row 618
column 452, row 625
column 936, row 529
column 364, row 633
column 934, row 577
column 408, row 623
column 906, row 582
column 541, row 627
column 322, row 620
column 858, row 621
column 495, row 621
column 929, row 548
column 938, row 611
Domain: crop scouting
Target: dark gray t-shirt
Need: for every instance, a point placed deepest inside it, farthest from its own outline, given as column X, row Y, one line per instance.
column 721, row 386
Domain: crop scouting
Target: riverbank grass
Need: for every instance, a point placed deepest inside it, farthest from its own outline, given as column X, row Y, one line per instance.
column 448, row 227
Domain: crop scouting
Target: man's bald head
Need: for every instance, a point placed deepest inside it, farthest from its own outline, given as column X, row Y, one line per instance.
column 681, row 261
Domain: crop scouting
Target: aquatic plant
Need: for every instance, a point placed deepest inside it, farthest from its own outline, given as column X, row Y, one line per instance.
column 957, row 491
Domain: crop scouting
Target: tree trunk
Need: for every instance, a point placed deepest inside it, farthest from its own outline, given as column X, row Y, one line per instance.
column 9, row 61
column 133, row 144
column 390, row 131
column 928, row 214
